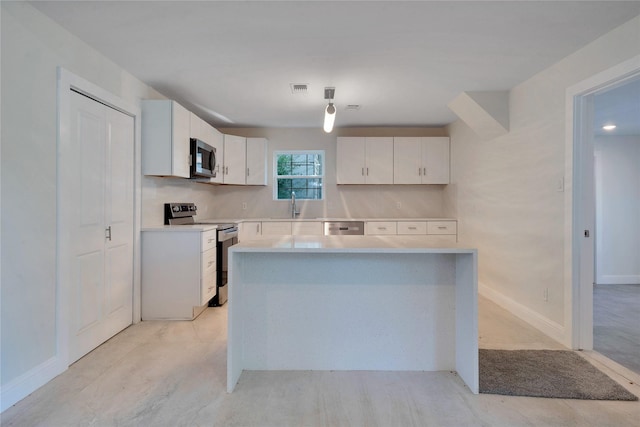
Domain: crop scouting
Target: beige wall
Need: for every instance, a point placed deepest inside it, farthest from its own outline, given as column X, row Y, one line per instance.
column 504, row 191
column 356, row 201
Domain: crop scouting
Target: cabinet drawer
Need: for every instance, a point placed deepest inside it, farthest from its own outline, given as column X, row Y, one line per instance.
column 278, row 228
column 441, row 227
column 208, row 262
column 303, row 228
column 208, row 290
column 412, row 227
column 381, row 227
column 208, row 240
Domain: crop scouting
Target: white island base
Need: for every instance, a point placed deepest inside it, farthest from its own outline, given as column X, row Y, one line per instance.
column 352, row 303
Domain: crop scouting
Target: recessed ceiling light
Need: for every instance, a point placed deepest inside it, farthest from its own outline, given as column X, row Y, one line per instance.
column 609, row 127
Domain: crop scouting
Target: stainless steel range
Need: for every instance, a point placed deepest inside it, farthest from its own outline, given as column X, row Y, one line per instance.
column 227, row 235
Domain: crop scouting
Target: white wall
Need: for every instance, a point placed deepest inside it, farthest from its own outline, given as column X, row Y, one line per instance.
column 617, row 176
column 32, row 47
column 355, row 201
column 504, row 191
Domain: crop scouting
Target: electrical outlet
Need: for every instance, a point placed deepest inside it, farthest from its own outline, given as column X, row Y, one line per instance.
column 244, row 206
column 398, row 205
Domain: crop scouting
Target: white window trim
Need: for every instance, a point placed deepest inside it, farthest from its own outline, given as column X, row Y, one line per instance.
column 276, row 176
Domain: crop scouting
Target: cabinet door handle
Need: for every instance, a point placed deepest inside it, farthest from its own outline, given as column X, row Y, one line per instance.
column 367, row 171
column 442, row 227
column 210, row 240
column 257, row 228
column 419, row 171
column 247, row 171
column 382, row 228
column 107, row 233
column 412, row 228
column 362, row 171
column 226, row 170
column 424, row 171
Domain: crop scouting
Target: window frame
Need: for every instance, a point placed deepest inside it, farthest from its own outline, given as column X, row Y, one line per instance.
column 277, row 153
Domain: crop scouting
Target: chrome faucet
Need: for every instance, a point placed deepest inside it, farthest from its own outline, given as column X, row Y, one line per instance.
column 294, row 210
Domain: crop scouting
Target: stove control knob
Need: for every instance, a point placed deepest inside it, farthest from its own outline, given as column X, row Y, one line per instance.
column 176, row 208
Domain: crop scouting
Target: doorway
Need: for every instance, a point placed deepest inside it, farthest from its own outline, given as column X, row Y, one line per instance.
column 616, row 298
column 98, row 216
column 581, row 216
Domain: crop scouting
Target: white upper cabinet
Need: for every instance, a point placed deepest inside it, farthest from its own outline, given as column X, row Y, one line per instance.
column 256, row 161
column 421, row 160
column 364, row 160
column 235, row 159
column 165, row 138
column 350, row 161
column 203, row 131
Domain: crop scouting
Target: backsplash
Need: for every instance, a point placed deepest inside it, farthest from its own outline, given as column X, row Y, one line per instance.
column 355, row 201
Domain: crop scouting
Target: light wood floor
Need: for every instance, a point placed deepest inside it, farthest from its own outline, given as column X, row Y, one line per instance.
column 616, row 323
column 174, row 374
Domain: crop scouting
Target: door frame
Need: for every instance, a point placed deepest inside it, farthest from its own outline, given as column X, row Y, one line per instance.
column 579, row 258
column 68, row 81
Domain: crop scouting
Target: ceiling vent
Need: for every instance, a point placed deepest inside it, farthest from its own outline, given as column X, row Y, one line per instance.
column 298, row 88
column 352, row 107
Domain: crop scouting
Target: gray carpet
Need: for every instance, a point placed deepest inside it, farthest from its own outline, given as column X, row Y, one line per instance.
column 546, row 373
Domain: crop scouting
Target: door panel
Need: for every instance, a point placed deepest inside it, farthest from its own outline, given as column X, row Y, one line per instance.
column 89, row 286
column 350, row 155
column 407, row 160
column 435, row 160
column 379, row 160
column 101, row 165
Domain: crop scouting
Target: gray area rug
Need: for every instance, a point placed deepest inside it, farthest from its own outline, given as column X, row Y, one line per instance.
column 546, row 373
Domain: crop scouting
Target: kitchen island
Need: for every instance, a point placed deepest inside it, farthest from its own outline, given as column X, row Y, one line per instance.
column 352, row 303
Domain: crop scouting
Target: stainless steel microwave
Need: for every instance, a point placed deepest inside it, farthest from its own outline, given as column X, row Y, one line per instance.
column 203, row 159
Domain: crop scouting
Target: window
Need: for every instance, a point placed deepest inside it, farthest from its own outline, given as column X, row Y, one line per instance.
column 298, row 171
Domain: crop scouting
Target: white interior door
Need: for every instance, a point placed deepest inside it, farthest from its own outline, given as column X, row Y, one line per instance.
column 101, row 165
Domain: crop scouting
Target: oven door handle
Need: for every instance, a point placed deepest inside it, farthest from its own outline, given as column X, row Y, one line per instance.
column 223, row 236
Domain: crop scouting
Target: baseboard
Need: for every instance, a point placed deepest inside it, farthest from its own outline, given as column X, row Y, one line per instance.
column 30, row 381
column 631, row 279
column 535, row 319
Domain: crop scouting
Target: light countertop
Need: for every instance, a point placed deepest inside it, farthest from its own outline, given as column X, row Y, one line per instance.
column 360, row 244
column 195, row 228
column 238, row 221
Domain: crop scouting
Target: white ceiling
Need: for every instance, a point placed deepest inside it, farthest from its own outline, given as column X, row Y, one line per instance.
column 402, row 62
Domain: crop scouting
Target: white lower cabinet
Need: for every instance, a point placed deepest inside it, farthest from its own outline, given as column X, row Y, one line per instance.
column 276, row 228
column 249, row 230
column 178, row 273
column 412, row 227
column 307, row 228
column 442, row 227
column 373, row 228
column 439, row 231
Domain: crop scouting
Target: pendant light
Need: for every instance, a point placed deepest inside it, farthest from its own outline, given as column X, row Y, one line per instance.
column 330, row 110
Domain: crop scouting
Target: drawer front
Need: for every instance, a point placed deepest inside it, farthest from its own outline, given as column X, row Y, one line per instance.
column 381, row 227
column 208, row 240
column 441, row 227
column 209, row 262
column 208, row 290
column 279, row 228
column 303, row 228
column 412, row 227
